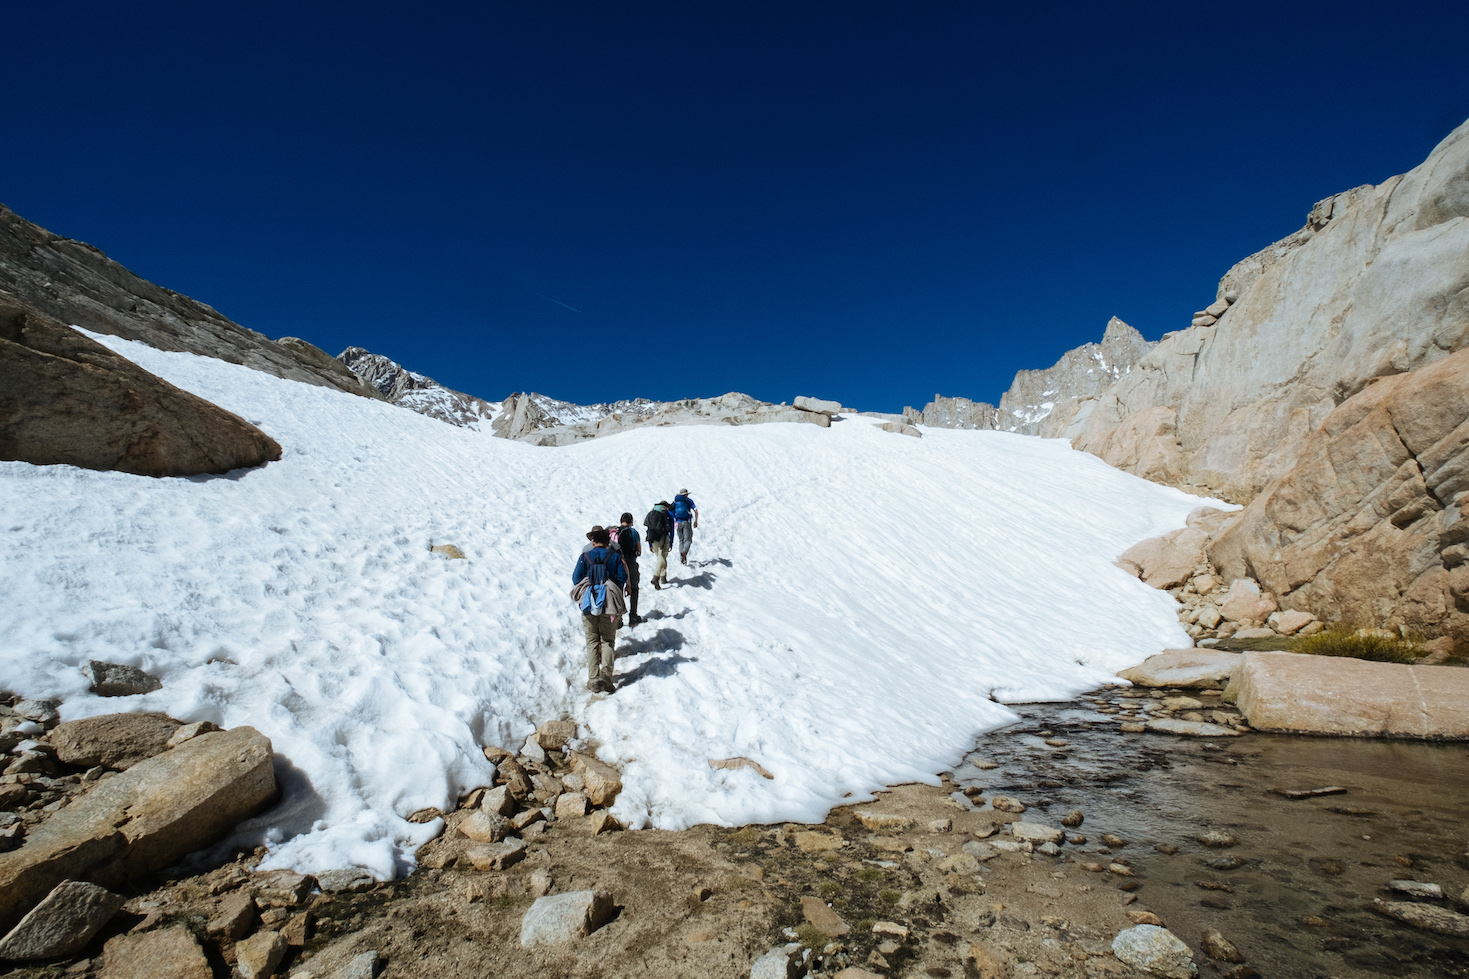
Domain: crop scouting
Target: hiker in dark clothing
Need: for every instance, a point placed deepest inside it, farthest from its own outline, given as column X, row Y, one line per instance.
column 599, row 575
column 630, row 548
column 659, row 524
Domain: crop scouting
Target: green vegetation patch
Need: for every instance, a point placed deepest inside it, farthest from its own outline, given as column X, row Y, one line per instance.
column 1378, row 649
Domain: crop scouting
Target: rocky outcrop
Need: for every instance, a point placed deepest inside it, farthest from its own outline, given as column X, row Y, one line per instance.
column 77, row 284
column 1376, row 284
column 524, row 416
column 417, row 392
column 1045, row 402
column 1289, row 693
column 1369, row 526
column 144, row 819
column 67, row 400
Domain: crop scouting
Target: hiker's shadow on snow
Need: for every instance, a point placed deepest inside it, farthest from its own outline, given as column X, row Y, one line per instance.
column 660, row 614
column 704, row 580
column 662, row 641
column 663, row 666
column 714, row 560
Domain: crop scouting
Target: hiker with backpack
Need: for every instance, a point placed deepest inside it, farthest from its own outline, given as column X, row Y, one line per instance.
column 685, row 519
column 659, row 525
column 597, row 583
column 629, row 547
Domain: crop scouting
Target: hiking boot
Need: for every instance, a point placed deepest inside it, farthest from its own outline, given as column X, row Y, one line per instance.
column 633, row 620
column 606, row 684
column 656, row 585
column 683, row 559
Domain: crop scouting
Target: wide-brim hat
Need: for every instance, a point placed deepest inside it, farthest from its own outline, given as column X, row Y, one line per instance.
column 683, row 492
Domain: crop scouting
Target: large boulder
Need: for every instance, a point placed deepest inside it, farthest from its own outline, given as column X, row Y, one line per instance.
column 144, row 819
column 1370, row 524
column 1299, row 694
column 67, row 400
column 61, row 924
column 165, row 953
column 1167, row 561
column 113, row 740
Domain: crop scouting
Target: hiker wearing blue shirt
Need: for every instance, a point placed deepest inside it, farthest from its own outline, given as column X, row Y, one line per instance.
column 598, row 578
column 685, row 519
column 629, row 547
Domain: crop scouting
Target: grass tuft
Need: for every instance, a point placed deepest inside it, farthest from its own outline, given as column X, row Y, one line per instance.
column 1378, row 649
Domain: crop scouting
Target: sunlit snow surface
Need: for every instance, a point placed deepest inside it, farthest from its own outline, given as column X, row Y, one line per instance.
column 856, row 603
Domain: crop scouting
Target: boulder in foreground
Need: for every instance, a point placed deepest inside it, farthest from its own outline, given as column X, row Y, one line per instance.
column 1299, row 694
column 144, row 819
column 168, row 953
column 67, row 400
column 563, row 918
column 61, row 924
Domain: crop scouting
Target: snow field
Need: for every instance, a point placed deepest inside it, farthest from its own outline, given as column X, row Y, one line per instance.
column 856, row 604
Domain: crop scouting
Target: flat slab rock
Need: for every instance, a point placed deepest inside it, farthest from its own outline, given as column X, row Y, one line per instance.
column 1299, row 694
column 1196, row 729
column 62, row 923
column 166, row 953
column 561, row 918
column 1184, row 668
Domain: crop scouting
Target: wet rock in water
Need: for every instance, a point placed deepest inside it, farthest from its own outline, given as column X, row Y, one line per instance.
column 1196, row 729
column 1156, row 950
column 166, row 953
column 1035, row 833
column 1049, row 849
column 786, row 962
column 257, row 956
column 1073, row 819
column 1120, row 869
column 1219, row 948
column 1132, row 727
column 349, row 880
column 62, row 923
column 1167, row 849
column 880, row 822
column 117, row 741
column 1417, row 888
column 823, row 918
column 1182, row 668
column 1115, row 842
column 1310, row 793
column 1005, row 803
column 1225, row 863
column 1181, row 703
column 562, row 918
column 118, row 680
column 1440, row 921
column 1216, row 838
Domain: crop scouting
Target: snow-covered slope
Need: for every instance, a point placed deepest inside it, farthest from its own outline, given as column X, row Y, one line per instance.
column 856, row 605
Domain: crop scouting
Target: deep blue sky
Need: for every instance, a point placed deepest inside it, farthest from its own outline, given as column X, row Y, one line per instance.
column 869, row 202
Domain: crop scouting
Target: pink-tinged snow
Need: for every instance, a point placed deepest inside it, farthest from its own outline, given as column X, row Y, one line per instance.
column 857, row 606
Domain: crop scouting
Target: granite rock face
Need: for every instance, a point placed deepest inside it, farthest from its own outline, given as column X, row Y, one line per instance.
column 526, row 417
column 77, row 284
column 67, row 400
column 1376, row 284
column 1370, row 524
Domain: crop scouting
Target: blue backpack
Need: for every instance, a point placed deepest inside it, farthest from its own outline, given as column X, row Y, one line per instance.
column 683, row 508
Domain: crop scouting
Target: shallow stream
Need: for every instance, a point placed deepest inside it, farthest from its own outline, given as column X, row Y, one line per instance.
column 1295, row 893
